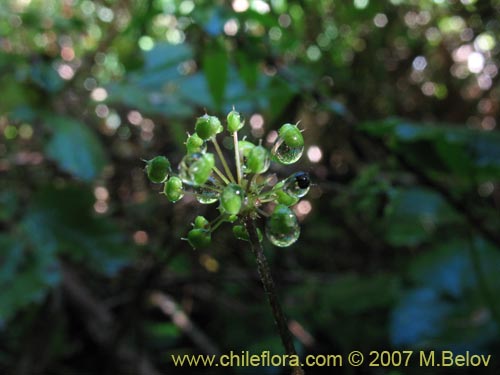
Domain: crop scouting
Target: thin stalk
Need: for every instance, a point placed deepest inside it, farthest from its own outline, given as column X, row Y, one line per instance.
column 266, row 200
column 214, row 224
column 251, row 180
column 270, row 290
column 262, row 212
column 237, row 157
column 221, row 175
column 222, row 159
column 208, row 187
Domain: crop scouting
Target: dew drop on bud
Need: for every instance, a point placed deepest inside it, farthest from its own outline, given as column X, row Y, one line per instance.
column 297, row 185
column 195, row 169
column 289, row 146
column 207, row 193
column 282, row 228
column 185, row 165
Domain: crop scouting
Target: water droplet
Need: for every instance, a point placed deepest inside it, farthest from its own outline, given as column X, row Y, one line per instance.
column 285, row 154
column 185, row 171
column 282, row 228
column 297, row 185
column 207, row 194
column 195, row 169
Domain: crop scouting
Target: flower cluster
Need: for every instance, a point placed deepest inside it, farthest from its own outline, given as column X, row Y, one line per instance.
column 240, row 195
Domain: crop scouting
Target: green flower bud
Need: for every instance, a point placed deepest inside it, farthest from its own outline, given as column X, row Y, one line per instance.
column 234, row 122
column 231, row 199
column 173, row 189
column 241, row 233
column 195, row 144
column 258, row 160
column 158, row 169
column 201, row 223
column 198, row 238
column 208, row 126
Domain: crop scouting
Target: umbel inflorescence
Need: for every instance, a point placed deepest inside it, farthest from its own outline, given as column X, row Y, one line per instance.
column 240, row 195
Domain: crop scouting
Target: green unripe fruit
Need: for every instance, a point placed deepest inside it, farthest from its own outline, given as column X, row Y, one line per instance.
column 208, row 126
column 258, row 160
column 284, row 198
column 231, row 199
column 198, row 238
column 291, row 135
column 195, row 144
column 173, row 189
column 245, row 147
column 282, row 228
column 234, row 122
column 203, row 168
column 241, row 233
column 289, row 145
column 201, row 223
column 195, row 169
column 158, row 169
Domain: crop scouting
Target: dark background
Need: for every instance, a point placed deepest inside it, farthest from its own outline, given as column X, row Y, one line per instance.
column 400, row 242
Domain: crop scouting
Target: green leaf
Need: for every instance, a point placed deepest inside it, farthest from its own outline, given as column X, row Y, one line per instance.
column 62, row 218
column 152, row 103
column 46, row 77
column 446, row 309
column 195, row 83
column 165, row 55
column 75, row 148
column 413, row 215
column 25, row 276
column 248, row 69
column 215, row 68
column 8, row 204
column 472, row 156
column 353, row 294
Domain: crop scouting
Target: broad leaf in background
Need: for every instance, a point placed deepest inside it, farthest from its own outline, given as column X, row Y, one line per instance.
column 62, row 219
column 27, row 272
column 75, row 148
column 447, row 308
column 414, row 215
column 171, row 86
column 46, row 77
column 165, row 55
column 345, row 304
column 215, row 67
column 248, row 69
column 156, row 88
column 472, row 156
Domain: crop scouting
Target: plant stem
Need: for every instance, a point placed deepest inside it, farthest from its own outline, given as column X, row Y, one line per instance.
column 223, row 159
column 221, row 175
column 237, row 157
column 269, row 288
column 214, row 224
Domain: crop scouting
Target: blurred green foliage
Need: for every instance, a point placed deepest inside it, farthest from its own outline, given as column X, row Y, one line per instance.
column 400, row 242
